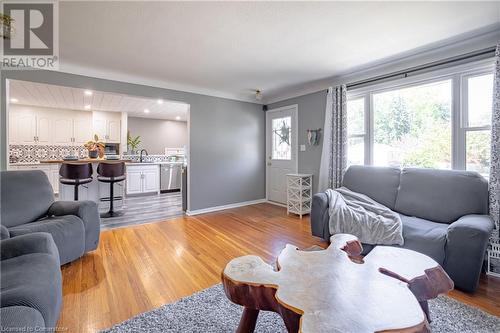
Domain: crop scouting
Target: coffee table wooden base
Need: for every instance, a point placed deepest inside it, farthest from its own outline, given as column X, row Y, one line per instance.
column 336, row 290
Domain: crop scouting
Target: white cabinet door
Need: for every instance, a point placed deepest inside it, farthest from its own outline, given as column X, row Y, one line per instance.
column 134, row 181
column 82, row 128
column 63, row 128
column 43, row 128
column 27, row 128
column 150, row 181
column 99, row 128
column 55, row 179
column 113, row 134
column 13, row 128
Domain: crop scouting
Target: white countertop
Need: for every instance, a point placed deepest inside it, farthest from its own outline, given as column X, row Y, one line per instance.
column 154, row 163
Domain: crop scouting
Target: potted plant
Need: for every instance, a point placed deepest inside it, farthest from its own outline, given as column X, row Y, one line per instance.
column 133, row 143
column 95, row 147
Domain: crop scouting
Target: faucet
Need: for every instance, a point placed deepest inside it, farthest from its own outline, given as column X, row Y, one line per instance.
column 140, row 156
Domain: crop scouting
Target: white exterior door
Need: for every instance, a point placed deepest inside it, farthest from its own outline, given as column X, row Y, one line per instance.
column 281, row 150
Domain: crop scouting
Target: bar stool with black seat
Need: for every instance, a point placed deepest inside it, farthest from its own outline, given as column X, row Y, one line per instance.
column 75, row 174
column 111, row 173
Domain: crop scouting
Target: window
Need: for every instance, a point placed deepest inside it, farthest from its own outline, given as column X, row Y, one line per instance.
column 478, row 91
column 412, row 126
column 425, row 121
column 356, row 131
column 281, row 136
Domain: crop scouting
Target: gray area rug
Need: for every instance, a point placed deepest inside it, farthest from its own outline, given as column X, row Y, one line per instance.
column 210, row 311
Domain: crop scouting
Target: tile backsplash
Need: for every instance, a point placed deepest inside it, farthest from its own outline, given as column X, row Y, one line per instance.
column 153, row 158
column 35, row 153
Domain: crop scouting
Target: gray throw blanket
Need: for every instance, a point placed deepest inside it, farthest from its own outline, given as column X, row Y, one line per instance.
column 357, row 214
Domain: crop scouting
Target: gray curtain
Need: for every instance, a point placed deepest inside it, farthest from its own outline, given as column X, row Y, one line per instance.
column 334, row 153
column 494, row 183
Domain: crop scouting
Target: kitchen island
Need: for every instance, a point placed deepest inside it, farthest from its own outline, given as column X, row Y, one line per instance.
column 94, row 190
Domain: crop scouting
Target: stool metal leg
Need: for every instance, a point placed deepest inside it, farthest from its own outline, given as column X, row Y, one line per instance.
column 75, row 196
column 111, row 212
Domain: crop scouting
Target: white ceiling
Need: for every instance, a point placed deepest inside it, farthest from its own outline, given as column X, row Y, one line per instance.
column 231, row 48
column 51, row 96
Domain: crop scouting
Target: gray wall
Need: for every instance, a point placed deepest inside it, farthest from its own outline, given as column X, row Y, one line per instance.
column 157, row 134
column 311, row 113
column 226, row 137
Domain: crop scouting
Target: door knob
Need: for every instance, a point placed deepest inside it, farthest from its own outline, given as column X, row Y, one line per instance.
column 269, row 163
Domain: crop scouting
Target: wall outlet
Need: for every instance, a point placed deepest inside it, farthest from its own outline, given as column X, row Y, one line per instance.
column 302, row 147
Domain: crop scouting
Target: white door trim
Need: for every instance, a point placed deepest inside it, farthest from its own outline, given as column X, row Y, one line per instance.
column 295, row 111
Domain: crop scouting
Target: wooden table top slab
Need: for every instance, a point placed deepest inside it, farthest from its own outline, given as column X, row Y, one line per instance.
column 335, row 290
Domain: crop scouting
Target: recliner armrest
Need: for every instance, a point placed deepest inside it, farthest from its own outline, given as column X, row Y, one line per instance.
column 466, row 244
column 320, row 216
column 4, row 232
column 37, row 242
column 87, row 211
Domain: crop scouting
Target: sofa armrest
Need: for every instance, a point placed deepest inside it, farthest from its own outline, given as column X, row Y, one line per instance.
column 87, row 211
column 37, row 242
column 4, row 232
column 320, row 216
column 466, row 244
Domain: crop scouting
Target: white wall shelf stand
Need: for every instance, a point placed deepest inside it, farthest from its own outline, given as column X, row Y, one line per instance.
column 494, row 258
column 299, row 193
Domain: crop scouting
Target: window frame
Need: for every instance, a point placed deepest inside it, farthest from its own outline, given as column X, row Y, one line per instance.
column 459, row 90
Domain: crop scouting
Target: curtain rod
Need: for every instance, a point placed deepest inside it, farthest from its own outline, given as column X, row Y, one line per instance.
column 484, row 53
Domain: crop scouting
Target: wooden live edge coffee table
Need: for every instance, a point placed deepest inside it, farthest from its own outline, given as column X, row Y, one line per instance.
column 337, row 290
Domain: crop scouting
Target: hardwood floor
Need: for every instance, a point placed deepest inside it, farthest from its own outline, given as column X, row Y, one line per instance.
column 138, row 268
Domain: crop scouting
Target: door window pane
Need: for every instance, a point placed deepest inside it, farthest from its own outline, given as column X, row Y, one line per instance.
column 480, row 100
column 356, row 150
column 281, row 138
column 478, row 151
column 356, row 116
column 412, row 126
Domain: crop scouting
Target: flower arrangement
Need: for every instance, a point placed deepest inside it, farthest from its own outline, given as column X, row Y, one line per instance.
column 95, row 147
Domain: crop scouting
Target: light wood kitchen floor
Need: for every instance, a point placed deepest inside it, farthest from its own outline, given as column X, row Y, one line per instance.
column 139, row 268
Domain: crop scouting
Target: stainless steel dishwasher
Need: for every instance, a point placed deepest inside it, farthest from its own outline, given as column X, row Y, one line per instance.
column 170, row 177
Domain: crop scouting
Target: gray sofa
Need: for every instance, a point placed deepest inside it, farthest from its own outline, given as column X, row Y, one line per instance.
column 31, row 293
column 444, row 214
column 28, row 206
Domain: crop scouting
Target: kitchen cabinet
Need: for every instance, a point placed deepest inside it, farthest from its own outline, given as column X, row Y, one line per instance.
column 29, row 126
column 63, row 128
column 26, row 128
column 107, row 125
column 143, row 179
column 51, row 170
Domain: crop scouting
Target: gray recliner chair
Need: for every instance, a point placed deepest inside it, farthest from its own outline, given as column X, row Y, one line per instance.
column 444, row 214
column 30, row 276
column 28, row 206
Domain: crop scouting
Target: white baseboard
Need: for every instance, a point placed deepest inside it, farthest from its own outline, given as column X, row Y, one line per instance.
column 276, row 203
column 217, row 208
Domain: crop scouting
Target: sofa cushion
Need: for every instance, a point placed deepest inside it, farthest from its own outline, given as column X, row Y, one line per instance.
column 441, row 195
column 425, row 236
column 380, row 184
column 25, row 196
column 67, row 231
column 32, row 280
column 12, row 318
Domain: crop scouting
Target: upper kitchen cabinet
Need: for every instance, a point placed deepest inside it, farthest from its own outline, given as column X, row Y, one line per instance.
column 72, row 127
column 32, row 125
column 27, row 127
column 107, row 126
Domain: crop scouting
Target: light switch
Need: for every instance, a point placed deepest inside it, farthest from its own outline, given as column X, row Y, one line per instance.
column 302, row 147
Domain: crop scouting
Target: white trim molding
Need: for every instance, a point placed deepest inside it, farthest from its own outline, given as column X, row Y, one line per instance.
column 224, row 207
